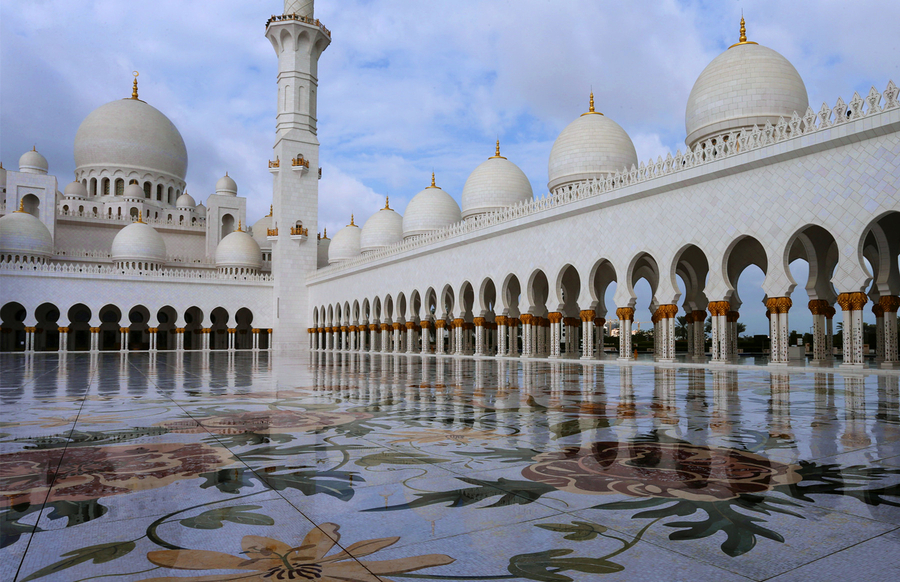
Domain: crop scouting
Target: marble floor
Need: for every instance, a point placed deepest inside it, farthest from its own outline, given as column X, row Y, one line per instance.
column 260, row 467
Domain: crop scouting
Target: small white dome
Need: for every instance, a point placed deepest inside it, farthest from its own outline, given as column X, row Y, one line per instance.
column 261, row 231
column 239, row 250
column 226, row 186
column 32, row 162
column 24, row 235
column 75, row 190
column 133, row 191
column 495, row 184
column 139, row 242
column 592, row 146
column 431, row 209
column 746, row 85
column 200, row 210
column 383, row 229
column 130, row 134
column 345, row 245
column 185, row 201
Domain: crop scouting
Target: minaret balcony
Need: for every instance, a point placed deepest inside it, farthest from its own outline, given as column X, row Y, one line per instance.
column 299, row 233
column 272, row 234
column 300, row 164
column 274, row 166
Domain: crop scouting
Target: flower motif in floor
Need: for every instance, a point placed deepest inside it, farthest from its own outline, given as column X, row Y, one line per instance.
column 265, row 559
column 659, row 469
column 263, row 421
column 96, row 472
column 438, row 435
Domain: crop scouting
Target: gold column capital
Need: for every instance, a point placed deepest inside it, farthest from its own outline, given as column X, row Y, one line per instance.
column 852, row 301
column 555, row 316
column 478, row 322
column 527, row 319
column 626, row 313
column 890, row 303
column 587, row 315
column 501, row 320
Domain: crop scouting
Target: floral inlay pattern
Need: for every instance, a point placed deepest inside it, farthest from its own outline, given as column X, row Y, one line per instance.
column 264, row 421
column 95, row 472
column 272, row 559
column 437, row 435
column 659, row 469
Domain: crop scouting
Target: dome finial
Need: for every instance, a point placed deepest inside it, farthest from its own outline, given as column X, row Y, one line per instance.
column 271, row 209
column 743, row 38
column 432, row 180
column 325, row 233
column 351, row 221
column 140, row 217
column 134, row 92
column 239, row 229
column 591, row 106
column 387, row 203
column 497, row 153
column 21, row 205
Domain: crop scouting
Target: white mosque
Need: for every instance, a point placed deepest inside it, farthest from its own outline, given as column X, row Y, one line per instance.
column 123, row 258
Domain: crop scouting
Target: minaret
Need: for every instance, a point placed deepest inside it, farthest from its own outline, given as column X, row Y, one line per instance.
column 298, row 39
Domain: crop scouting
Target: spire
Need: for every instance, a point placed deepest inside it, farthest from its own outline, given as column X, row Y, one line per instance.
column 325, row 233
column 743, row 38
column 271, row 206
column 21, row 205
column 497, row 152
column 432, row 180
column 140, row 217
column 590, row 110
column 239, row 229
column 351, row 221
column 134, row 92
column 387, row 205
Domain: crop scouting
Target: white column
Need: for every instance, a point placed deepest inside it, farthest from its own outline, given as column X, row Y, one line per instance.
column 889, row 304
column 626, row 316
column 63, row 339
column 502, row 336
column 587, row 335
column 512, row 346
column 699, row 335
column 852, row 305
column 600, row 324
column 879, row 332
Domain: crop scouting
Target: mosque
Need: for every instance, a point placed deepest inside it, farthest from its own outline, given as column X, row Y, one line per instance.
column 124, row 258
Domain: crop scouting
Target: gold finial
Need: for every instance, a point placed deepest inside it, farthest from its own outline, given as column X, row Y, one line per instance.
column 271, row 207
column 21, row 205
column 743, row 38
column 325, row 233
column 140, row 217
column 351, row 221
column 497, row 152
column 239, row 229
column 591, row 107
column 432, row 181
column 134, row 94
column 387, row 200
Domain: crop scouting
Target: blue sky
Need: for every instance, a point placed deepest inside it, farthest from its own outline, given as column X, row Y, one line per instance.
column 407, row 87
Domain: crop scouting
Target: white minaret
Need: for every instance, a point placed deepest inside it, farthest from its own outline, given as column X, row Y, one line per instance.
column 298, row 39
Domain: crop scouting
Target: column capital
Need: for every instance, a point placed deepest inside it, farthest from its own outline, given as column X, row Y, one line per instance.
column 512, row 322
column 95, row 330
column 555, row 316
column 778, row 304
column 852, row 301
column 599, row 322
column 571, row 321
column 63, row 330
column 440, row 323
column 425, row 324
column 527, row 319
column 501, row 320
column 121, row 329
column 478, row 321
column 458, row 322
column 587, row 315
column 890, row 303
column 698, row 316
column 732, row 316
column 669, row 310
column 256, row 330
column 149, row 329
column 878, row 310
column 818, row 306
column 626, row 313
column 719, row 308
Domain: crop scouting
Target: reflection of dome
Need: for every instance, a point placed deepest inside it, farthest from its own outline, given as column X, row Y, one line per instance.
column 75, row 190
column 139, row 242
column 592, row 146
column 745, row 85
column 24, row 236
column 383, row 229
column 495, row 184
column 32, row 162
column 133, row 191
column 226, row 186
column 129, row 133
column 185, row 201
column 345, row 245
column 431, row 209
column 238, row 250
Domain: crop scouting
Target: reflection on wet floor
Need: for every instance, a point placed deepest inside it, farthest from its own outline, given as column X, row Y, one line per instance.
column 146, row 466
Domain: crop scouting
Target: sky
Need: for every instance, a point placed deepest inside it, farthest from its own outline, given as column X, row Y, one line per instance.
column 410, row 87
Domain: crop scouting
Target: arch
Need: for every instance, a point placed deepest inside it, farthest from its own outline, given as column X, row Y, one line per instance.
column 32, row 205
column 401, row 307
column 816, row 246
column 880, row 245
column 243, row 338
column 568, row 287
column 46, row 338
column 487, row 297
column 147, row 191
column 430, row 304
column 448, row 301
column 227, row 224
column 691, row 265
column 138, row 337
column 376, row 309
column 110, row 336
column 219, row 329
column 193, row 328
column 366, row 310
column 12, row 330
column 741, row 253
column 355, row 318
column 120, row 187
column 388, row 309
column 415, row 305
column 79, row 337
column 511, row 295
column 538, row 293
column 166, row 318
column 466, row 301
column 603, row 274
column 104, row 187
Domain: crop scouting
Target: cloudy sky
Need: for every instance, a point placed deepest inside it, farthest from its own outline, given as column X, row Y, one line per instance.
column 408, row 87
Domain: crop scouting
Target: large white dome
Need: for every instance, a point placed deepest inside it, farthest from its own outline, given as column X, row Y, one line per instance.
column 238, row 250
column 495, row 184
column 130, row 134
column 139, row 242
column 746, row 85
column 345, row 245
column 431, row 209
column 383, row 229
column 24, row 235
column 592, row 146
column 261, row 231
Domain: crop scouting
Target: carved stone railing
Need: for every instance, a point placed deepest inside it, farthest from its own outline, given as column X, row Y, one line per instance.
column 198, row 224
column 185, row 274
column 300, row 18
column 708, row 151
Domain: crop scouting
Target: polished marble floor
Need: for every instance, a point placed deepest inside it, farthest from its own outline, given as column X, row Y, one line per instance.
column 257, row 467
